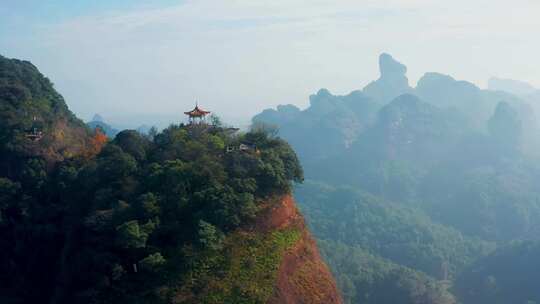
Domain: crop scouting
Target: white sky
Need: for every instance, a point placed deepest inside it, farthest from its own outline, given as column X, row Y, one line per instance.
column 238, row 57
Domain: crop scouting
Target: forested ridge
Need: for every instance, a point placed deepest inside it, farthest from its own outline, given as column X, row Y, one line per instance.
column 162, row 218
column 420, row 194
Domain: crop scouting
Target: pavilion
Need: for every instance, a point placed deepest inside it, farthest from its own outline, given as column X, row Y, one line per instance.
column 197, row 115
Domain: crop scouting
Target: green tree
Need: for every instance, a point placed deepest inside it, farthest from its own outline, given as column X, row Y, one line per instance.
column 152, row 262
column 209, row 237
column 132, row 235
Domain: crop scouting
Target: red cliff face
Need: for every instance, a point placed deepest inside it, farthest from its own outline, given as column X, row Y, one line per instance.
column 302, row 277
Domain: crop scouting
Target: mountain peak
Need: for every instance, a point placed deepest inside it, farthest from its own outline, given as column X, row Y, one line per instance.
column 392, row 82
column 389, row 67
column 98, row 118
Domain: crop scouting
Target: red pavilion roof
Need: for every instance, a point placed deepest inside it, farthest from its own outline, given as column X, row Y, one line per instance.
column 197, row 112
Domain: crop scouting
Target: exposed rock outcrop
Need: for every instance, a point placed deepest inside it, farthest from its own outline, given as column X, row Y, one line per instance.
column 392, row 82
column 303, row 277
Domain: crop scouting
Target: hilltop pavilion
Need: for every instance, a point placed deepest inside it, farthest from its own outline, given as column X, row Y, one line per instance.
column 197, row 115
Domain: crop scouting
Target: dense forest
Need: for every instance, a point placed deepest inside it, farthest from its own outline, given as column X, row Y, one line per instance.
column 425, row 194
column 135, row 219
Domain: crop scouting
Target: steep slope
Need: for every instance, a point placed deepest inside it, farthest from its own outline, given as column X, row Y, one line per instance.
column 273, row 260
column 38, row 134
column 172, row 218
column 34, row 119
column 302, row 276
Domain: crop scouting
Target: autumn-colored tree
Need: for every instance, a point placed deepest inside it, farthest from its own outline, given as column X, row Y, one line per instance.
column 96, row 143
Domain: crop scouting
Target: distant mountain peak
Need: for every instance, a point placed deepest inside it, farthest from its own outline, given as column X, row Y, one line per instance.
column 392, row 82
column 323, row 93
column 516, row 87
column 389, row 67
column 434, row 76
column 98, row 118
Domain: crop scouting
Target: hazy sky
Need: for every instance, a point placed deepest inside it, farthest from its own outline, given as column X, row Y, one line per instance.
column 238, row 57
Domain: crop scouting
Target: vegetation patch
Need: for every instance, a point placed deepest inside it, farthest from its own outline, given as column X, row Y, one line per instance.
column 248, row 265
